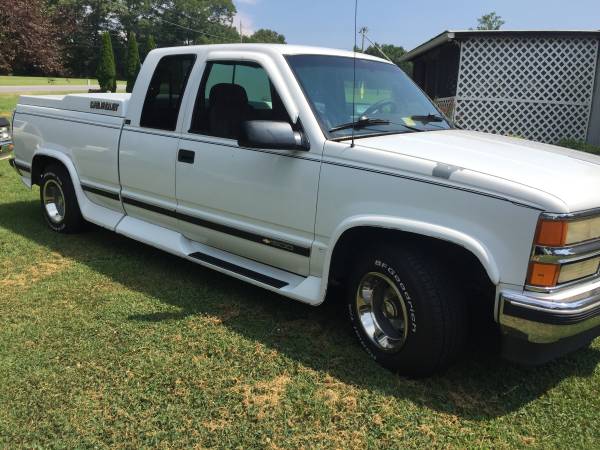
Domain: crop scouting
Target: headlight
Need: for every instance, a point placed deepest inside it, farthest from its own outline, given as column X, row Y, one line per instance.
column 4, row 134
column 558, row 233
column 565, row 251
column 578, row 270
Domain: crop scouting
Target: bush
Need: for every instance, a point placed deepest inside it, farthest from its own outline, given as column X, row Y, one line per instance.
column 579, row 145
column 150, row 45
column 133, row 62
column 107, row 72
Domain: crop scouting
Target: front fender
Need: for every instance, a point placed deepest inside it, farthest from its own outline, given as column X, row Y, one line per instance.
column 474, row 246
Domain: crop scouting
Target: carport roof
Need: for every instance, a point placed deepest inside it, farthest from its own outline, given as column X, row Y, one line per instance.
column 448, row 36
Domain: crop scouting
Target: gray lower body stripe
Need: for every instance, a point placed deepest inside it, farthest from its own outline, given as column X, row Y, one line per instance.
column 249, row 236
column 101, row 192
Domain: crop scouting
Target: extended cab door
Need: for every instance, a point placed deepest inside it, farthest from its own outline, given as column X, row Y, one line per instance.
column 149, row 141
column 255, row 203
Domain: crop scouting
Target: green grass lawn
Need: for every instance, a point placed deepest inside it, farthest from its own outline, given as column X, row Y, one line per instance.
column 8, row 102
column 105, row 342
column 9, row 80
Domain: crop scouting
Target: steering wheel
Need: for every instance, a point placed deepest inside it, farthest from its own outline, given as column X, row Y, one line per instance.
column 378, row 106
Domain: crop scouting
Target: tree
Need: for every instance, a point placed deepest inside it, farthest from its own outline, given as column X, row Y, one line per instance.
column 150, row 45
column 188, row 22
column 491, row 21
column 265, row 36
column 107, row 72
column 28, row 39
column 393, row 52
column 133, row 62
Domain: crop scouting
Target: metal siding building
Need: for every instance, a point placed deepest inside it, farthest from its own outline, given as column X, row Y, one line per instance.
column 540, row 85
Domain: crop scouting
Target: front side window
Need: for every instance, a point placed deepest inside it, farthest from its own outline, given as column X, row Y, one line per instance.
column 382, row 93
column 231, row 93
column 163, row 99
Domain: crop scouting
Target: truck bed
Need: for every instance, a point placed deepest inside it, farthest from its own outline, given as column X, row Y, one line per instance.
column 105, row 104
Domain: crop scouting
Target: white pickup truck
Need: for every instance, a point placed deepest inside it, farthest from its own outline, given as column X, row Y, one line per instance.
column 297, row 168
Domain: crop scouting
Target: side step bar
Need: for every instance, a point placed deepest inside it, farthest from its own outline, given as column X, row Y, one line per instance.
column 305, row 289
column 243, row 271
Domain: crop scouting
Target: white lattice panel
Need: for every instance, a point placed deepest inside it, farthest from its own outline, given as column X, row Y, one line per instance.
column 446, row 105
column 537, row 88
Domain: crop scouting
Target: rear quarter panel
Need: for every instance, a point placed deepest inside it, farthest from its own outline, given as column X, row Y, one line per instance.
column 90, row 141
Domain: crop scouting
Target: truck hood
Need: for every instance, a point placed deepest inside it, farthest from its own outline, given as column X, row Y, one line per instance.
column 569, row 179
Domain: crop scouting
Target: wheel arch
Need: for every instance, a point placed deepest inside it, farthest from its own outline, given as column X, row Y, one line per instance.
column 43, row 157
column 366, row 227
column 91, row 212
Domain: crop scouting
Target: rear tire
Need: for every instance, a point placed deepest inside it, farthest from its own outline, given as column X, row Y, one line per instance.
column 59, row 201
column 406, row 313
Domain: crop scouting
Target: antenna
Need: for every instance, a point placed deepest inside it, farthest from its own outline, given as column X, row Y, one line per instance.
column 354, row 70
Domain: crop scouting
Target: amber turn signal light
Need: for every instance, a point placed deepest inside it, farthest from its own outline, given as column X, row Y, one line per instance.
column 544, row 275
column 552, row 233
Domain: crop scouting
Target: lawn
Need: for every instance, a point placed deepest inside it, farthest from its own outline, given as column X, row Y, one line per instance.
column 105, row 342
column 9, row 80
column 8, row 102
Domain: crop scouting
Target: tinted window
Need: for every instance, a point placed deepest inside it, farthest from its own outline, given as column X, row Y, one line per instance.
column 232, row 93
column 161, row 106
column 342, row 90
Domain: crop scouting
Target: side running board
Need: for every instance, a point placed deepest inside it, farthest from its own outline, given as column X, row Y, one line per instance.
column 243, row 271
column 305, row 289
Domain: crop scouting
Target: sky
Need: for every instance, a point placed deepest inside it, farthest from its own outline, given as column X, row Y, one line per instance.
column 330, row 23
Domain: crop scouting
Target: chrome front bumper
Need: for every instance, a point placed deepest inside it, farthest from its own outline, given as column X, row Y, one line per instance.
column 557, row 323
column 546, row 318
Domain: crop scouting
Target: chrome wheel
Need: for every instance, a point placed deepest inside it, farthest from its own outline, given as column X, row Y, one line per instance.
column 54, row 201
column 382, row 311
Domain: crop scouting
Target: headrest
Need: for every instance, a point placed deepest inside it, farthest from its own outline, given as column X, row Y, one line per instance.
column 228, row 94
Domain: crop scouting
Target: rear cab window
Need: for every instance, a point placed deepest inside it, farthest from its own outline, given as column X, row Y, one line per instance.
column 165, row 92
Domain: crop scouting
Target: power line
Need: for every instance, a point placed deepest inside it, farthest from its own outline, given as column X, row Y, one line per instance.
column 191, row 29
column 377, row 47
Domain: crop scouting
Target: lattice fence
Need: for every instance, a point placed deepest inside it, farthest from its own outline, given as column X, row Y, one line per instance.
column 446, row 105
column 537, row 88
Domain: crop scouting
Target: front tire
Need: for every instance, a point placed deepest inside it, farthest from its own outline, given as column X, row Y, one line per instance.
column 407, row 314
column 59, row 201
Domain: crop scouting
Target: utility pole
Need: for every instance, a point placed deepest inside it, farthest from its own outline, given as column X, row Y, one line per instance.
column 241, row 33
column 363, row 31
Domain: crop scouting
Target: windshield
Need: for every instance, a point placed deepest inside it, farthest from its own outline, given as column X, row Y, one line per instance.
column 383, row 92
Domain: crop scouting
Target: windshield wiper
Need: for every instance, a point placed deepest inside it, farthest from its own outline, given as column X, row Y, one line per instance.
column 360, row 123
column 428, row 118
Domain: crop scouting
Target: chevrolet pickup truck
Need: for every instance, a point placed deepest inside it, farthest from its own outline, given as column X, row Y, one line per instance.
column 297, row 169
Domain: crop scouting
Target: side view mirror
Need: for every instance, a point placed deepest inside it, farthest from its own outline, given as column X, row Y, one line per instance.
column 270, row 134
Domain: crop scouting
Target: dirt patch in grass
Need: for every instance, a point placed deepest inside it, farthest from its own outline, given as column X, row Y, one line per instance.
column 340, row 397
column 43, row 268
column 262, row 398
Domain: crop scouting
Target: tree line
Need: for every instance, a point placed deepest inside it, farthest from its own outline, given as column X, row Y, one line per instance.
column 65, row 37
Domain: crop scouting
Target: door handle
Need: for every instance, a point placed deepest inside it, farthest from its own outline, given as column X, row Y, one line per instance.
column 186, row 156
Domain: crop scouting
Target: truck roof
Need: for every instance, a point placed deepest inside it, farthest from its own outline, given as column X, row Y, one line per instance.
column 269, row 49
